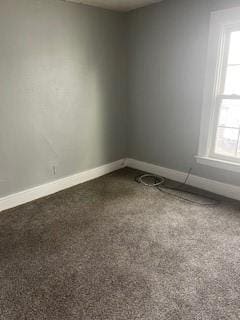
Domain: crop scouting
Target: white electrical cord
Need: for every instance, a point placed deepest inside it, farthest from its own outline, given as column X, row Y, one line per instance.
column 158, row 180
column 160, row 185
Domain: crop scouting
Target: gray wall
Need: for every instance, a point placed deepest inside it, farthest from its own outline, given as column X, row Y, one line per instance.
column 72, row 95
column 167, row 59
column 62, row 90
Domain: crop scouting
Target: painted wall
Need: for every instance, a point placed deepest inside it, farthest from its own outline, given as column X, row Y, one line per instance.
column 62, row 90
column 67, row 78
column 167, row 61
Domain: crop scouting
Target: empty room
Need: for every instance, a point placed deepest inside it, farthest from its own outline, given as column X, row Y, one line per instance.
column 119, row 159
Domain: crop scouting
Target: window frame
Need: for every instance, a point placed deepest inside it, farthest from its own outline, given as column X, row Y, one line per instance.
column 222, row 24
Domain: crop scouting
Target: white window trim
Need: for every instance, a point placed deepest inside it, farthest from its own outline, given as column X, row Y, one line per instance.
column 217, row 163
column 220, row 21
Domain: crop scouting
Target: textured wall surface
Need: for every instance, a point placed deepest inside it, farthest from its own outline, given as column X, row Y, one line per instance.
column 62, row 76
column 79, row 83
column 167, row 60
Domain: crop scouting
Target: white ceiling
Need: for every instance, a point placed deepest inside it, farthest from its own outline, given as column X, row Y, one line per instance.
column 118, row 5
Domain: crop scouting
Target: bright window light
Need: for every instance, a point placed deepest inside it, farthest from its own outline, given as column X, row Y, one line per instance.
column 227, row 131
column 219, row 143
column 232, row 83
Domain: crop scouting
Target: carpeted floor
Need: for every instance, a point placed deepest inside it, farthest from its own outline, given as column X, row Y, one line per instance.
column 112, row 249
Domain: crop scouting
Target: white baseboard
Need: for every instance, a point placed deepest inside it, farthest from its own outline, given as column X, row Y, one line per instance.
column 41, row 191
column 220, row 188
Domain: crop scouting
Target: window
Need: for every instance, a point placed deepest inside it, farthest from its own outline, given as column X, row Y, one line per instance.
column 220, row 129
column 226, row 138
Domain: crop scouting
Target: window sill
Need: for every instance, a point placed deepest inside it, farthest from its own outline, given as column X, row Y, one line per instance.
column 220, row 164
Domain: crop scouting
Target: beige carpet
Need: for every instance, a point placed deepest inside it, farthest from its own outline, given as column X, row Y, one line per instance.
column 112, row 249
